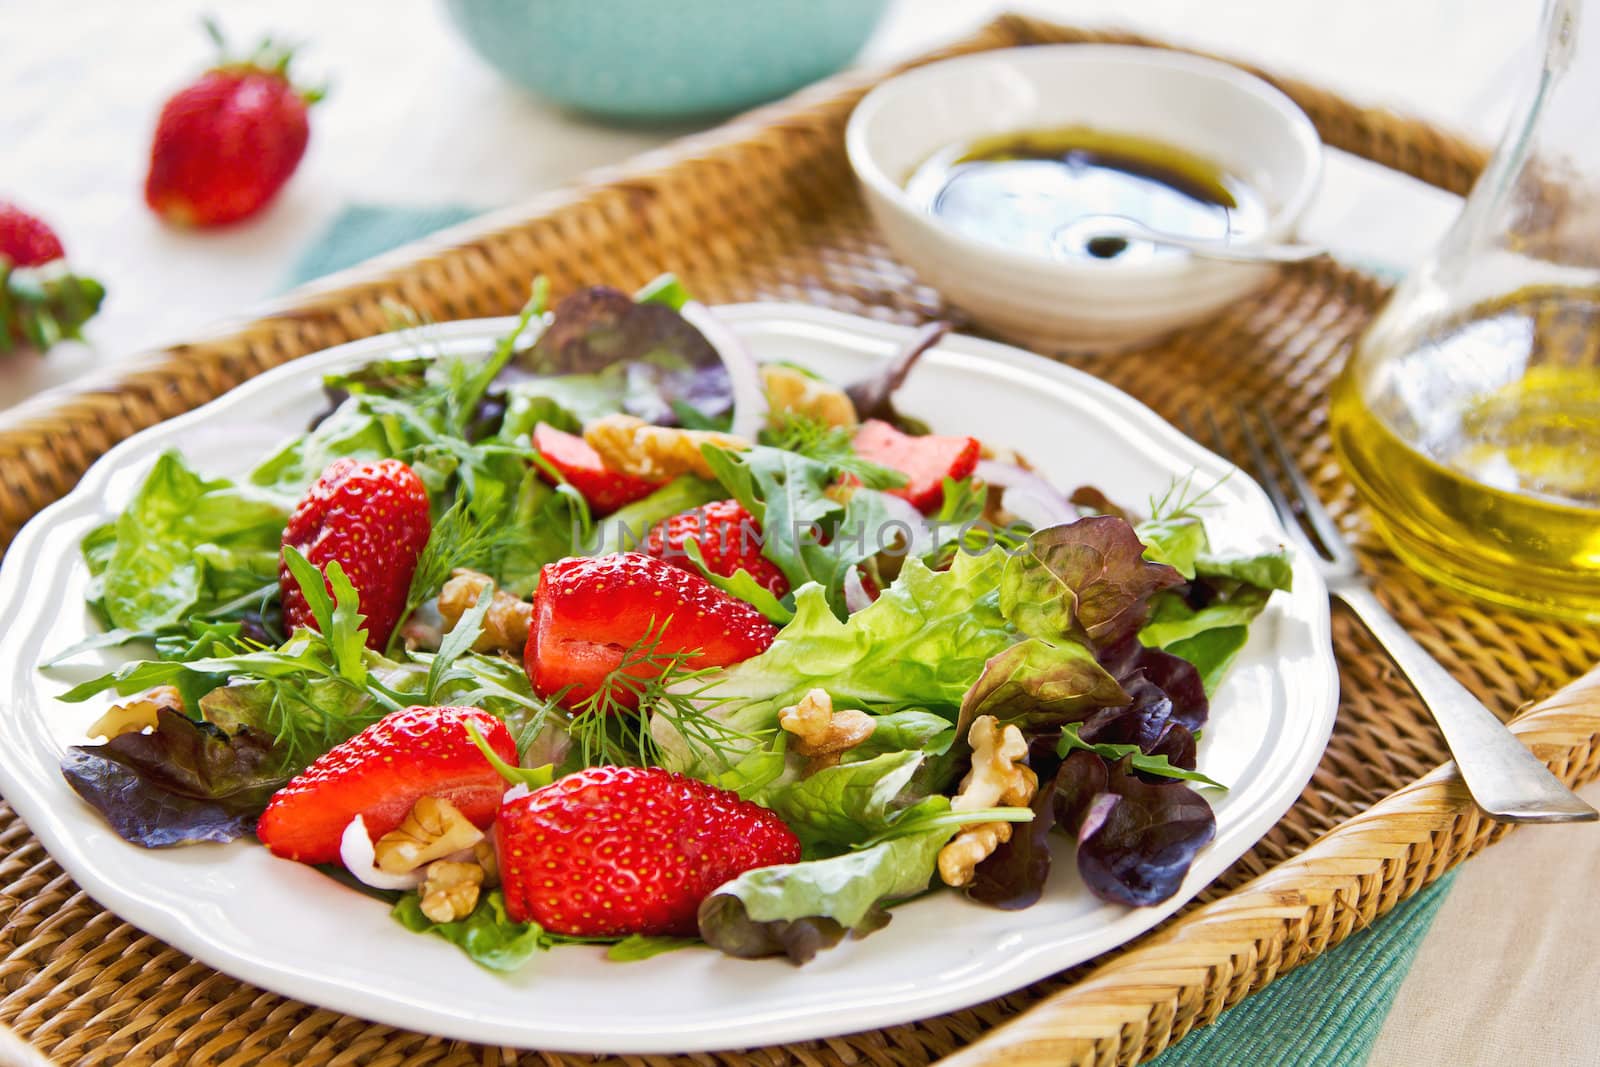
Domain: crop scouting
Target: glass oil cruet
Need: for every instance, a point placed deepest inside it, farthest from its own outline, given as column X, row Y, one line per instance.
column 1469, row 413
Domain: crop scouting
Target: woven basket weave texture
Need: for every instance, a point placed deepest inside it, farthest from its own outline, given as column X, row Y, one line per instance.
column 765, row 208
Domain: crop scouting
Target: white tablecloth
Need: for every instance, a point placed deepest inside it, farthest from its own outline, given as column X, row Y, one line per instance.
column 414, row 119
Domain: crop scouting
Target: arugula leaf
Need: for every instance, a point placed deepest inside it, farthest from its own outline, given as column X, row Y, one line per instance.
column 786, row 493
column 1137, row 758
column 488, row 935
column 798, row 909
column 458, row 641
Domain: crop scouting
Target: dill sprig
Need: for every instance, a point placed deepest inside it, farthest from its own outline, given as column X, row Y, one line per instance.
column 1182, row 500
column 793, row 431
column 612, row 725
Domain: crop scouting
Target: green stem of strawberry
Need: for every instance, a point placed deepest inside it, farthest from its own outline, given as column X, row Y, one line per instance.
column 532, row 777
column 269, row 57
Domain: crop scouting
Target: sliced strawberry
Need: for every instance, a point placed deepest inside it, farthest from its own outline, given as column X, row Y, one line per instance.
column 380, row 773
column 729, row 538
column 927, row 461
column 610, row 851
column 587, row 613
column 372, row 517
column 605, row 490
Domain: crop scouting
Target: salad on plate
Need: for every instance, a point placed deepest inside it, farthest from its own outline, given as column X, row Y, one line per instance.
column 616, row 636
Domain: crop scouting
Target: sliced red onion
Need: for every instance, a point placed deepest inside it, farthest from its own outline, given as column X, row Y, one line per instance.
column 749, row 395
column 361, row 859
column 904, row 519
column 856, row 596
column 1026, row 495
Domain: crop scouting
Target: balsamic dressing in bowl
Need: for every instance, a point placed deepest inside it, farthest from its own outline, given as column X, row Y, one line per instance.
column 1024, row 191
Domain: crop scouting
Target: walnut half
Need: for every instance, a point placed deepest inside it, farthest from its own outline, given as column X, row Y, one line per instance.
column 790, row 390
column 434, row 829
column 998, row 777
column 821, row 733
column 450, row 891
column 632, row 446
column 505, row 627
column 136, row 714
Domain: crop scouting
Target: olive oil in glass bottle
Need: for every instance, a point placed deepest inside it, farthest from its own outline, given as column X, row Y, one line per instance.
column 1469, row 413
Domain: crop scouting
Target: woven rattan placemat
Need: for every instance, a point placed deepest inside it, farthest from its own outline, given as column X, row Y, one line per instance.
column 765, row 208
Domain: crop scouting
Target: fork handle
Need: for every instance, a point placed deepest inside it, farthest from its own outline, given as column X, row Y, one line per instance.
column 1506, row 780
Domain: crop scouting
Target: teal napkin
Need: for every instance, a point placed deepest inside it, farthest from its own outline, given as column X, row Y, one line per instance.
column 1325, row 1014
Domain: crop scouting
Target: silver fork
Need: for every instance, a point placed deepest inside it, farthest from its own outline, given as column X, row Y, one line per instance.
column 1506, row 780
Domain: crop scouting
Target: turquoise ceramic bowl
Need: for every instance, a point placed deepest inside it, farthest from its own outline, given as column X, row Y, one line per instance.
column 639, row 59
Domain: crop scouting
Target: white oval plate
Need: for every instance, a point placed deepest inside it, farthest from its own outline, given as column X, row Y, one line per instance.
column 289, row 929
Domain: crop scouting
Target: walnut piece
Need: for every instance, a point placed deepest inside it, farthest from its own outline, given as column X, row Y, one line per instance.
column 632, row 446
column 791, row 390
column 137, row 713
column 484, row 855
column 998, row 777
column 505, row 627
column 450, row 890
column 434, row 828
column 821, row 733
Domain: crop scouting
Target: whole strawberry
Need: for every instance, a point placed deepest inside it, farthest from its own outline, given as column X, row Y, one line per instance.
column 610, row 851
column 25, row 239
column 225, row 145
column 39, row 307
column 372, row 517
column 589, row 612
column 380, row 773
column 729, row 539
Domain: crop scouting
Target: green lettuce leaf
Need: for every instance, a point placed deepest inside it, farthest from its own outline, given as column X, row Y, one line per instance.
column 184, row 546
column 797, row 909
column 921, row 644
column 846, row 805
column 488, row 935
column 642, row 947
column 1034, row 683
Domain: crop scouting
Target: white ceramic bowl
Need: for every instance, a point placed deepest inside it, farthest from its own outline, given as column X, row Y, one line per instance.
column 1205, row 107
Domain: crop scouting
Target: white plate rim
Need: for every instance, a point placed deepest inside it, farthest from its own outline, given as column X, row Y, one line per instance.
column 37, row 797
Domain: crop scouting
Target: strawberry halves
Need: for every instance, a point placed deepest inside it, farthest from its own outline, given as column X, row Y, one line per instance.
column 380, row 773
column 610, row 851
column 588, row 613
column 927, row 461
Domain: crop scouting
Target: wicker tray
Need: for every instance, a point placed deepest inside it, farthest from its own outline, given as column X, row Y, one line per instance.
column 766, row 207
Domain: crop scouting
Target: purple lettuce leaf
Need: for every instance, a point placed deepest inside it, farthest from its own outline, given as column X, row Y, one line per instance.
column 1174, row 678
column 1087, row 580
column 1136, row 839
column 187, row 781
column 669, row 365
column 1013, row 876
column 873, row 396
